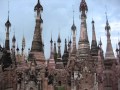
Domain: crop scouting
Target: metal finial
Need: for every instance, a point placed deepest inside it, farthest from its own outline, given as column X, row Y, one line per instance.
column 106, row 14
column 51, row 41
column 73, row 15
column 14, row 39
column 59, row 39
column 8, row 10
column 100, row 42
column 83, row 7
column 38, row 1
column 93, row 21
column 106, row 17
column 107, row 27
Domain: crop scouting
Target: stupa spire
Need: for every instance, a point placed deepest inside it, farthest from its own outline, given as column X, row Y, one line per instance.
column 94, row 48
column 73, row 28
column 83, row 45
column 59, row 46
column 51, row 47
column 109, row 50
column 37, row 49
column 8, row 25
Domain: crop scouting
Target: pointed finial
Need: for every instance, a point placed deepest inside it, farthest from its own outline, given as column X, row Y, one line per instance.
column 38, row 7
column 106, row 14
column 17, row 48
column 65, row 50
column 54, row 44
column 70, row 41
column 51, row 41
column 65, row 40
column 14, row 39
column 23, row 42
column 59, row 39
column 94, row 43
column 73, row 16
column 106, row 18
column 93, row 21
column 8, row 24
column 100, row 42
column 83, row 7
column 73, row 26
column 8, row 9
column 107, row 27
column 117, row 48
column 55, row 51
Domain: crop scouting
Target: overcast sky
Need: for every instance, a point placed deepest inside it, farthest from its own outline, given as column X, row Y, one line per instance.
column 57, row 17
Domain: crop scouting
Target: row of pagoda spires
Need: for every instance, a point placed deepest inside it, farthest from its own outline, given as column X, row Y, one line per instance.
column 71, row 46
column 83, row 38
column 83, row 47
